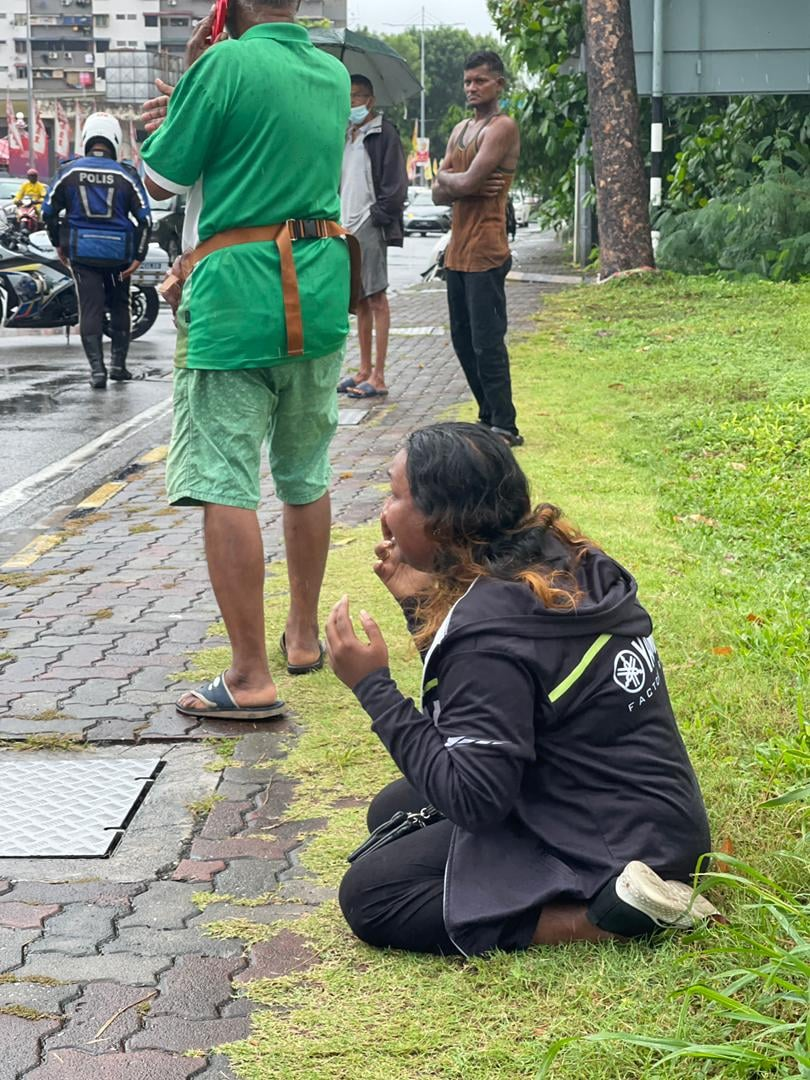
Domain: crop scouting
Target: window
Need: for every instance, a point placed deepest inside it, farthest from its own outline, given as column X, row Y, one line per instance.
column 132, row 17
column 101, row 73
column 22, row 72
column 175, row 21
column 150, row 20
column 120, row 18
column 102, row 20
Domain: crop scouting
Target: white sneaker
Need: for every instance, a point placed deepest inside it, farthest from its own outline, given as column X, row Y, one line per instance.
column 668, row 903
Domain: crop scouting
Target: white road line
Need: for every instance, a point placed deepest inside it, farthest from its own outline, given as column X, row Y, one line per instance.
column 25, row 490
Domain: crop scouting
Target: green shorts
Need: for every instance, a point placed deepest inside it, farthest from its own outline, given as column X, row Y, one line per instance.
column 222, row 418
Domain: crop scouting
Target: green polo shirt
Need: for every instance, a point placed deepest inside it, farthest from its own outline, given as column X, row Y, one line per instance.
column 254, row 134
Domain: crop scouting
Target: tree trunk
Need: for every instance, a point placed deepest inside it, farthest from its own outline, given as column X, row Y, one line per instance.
column 621, row 187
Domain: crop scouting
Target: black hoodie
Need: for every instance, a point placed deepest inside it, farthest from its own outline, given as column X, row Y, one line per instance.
column 547, row 738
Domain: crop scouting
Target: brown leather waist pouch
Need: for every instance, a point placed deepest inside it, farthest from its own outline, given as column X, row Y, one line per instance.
column 284, row 235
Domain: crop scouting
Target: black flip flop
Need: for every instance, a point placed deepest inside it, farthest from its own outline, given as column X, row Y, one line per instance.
column 302, row 669
column 217, row 703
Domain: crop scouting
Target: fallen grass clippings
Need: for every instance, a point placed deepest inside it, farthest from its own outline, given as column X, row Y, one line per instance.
column 32, row 743
column 668, row 417
column 202, row 807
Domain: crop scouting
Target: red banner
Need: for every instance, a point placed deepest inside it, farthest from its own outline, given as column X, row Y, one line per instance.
column 135, row 154
column 41, row 157
column 17, row 143
column 64, row 134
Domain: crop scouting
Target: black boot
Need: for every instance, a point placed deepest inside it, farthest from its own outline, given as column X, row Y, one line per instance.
column 118, row 366
column 94, row 350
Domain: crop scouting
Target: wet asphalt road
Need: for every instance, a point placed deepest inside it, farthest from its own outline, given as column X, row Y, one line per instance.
column 59, row 439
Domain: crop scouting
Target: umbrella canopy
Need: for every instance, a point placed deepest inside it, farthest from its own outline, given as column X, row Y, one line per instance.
column 393, row 80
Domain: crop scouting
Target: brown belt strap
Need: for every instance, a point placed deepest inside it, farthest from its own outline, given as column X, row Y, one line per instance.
column 283, row 234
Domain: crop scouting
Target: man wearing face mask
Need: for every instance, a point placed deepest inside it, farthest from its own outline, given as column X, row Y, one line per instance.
column 253, row 134
column 373, row 190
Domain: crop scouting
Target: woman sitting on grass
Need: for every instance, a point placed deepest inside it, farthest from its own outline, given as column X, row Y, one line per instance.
column 545, row 738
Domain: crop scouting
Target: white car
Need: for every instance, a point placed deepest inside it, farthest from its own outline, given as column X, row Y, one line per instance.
column 423, row 216
column 525, row 207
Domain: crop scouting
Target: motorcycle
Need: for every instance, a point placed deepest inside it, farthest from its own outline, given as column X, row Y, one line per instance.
column 435, row 267
column 28, row 215
column 37, row 291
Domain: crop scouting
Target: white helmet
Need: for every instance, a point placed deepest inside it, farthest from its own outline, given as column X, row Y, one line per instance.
column 102, row 126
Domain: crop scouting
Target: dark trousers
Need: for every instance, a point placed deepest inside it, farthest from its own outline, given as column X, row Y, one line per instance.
column 478, row 323
column 394, row 897
column 99, row 289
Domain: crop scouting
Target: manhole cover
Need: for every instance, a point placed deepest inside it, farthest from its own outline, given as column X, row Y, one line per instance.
column 69, row 809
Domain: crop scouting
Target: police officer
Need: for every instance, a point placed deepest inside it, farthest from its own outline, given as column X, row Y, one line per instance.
column 97, row 216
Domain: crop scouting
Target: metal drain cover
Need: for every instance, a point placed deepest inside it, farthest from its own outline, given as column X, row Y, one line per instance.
column 63, row 809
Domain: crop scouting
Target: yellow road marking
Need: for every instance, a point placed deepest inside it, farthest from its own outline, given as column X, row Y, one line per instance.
column 158, row 454
column 40, row 545
column 101, row 495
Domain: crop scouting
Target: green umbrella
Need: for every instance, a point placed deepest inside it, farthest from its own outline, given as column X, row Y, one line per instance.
column 393, row 80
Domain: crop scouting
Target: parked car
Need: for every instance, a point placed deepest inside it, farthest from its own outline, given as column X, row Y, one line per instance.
column 525, row 207
column 9, row 186
column 423, row 216
column 168, row 216
column 414, row 190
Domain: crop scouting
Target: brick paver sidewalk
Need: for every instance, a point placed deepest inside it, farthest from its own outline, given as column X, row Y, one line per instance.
column 104, row 971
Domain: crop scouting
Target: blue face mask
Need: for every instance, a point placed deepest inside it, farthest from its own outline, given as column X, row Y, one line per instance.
column 358, row 114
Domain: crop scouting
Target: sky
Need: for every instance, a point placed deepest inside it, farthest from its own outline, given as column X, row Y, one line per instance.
column 377, row 16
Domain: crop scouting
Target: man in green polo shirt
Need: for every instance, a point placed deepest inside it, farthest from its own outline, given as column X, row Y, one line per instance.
column 254, row 134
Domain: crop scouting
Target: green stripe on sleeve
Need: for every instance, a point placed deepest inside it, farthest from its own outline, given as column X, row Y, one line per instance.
column 570, row 679
column 430, row 686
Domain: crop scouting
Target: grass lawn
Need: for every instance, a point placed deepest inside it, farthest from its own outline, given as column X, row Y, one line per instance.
column 669, row 417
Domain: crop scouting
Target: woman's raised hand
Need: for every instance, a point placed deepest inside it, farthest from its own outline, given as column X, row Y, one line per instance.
column 401, row 580
column 351, row 658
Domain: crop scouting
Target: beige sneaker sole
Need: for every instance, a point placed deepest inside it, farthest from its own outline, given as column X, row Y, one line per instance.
column 667, row 903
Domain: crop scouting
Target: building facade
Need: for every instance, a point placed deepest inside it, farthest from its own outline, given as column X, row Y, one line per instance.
column 71, row 40
column 333, row 10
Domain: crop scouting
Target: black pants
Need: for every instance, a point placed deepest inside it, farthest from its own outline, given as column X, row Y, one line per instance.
column 99, row 289
column 394, row 897
column 478, row 323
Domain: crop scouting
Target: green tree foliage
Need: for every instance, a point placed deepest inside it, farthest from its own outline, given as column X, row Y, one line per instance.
column 713, row 146
column 446, row 49
column 764, row 230
column 550, row 101
column 717, row 146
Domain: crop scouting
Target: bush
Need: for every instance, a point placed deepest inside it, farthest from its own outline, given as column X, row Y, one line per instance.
column 765, row 230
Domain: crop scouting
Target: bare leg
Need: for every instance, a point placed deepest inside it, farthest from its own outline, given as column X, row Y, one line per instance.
column 382, row 328
column 562, row 923
column 233, row 547
column 306, row 537
column 365, row 325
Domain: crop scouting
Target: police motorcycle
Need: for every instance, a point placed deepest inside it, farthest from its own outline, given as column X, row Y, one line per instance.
column 37, row 291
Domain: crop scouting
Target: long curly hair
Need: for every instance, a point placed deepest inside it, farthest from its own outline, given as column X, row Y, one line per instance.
column 476, row 500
